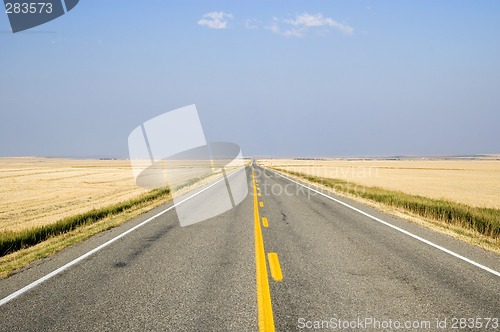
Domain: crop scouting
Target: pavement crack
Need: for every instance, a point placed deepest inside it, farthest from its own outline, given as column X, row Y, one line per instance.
column 119, row 264
column 284, row 218
column 143, row 246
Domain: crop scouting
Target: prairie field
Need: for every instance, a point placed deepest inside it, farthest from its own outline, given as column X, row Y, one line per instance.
column 39, row 191
column 472, row 182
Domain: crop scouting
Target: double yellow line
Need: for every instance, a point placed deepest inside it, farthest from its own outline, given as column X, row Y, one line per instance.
column 264, row 306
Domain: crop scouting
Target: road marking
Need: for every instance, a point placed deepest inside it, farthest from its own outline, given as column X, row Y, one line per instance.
column 265, row 222
column 261, row 204
column 432, row 244
column 264, row 306
column 93, row 251
column 259, row 194
column 274, row 265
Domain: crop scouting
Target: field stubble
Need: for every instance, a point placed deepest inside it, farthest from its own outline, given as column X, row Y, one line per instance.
column 39, row 191
column 459, row 198
column 471, row 182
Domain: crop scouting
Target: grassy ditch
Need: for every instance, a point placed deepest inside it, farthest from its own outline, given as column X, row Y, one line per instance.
column 485, row 221
column 13, row 241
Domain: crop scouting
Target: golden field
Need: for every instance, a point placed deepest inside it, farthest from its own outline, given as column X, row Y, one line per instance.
column 472, row 182
column 40, row 191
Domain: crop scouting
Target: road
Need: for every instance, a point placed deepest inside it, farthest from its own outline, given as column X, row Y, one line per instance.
column 336, row 264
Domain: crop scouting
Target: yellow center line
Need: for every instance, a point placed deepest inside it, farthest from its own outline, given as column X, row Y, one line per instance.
column 261, row 204
column 274, row 265
column 265, row 222
column 264, row 306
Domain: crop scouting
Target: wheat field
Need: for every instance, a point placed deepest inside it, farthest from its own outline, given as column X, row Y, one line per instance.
column 40, row 191
column 472, row 182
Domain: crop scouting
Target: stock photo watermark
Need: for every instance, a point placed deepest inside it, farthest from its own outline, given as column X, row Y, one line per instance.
column 273, row 188
column 347, row 172
column 373, row 323
column 27, row 14
column 204, row 178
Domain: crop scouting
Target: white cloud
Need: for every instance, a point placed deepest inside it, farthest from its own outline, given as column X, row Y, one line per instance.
column 294, row 32
column 299, row 33
column 274, row 28
column 215, row 20
column 303, row 23
column 251, row 24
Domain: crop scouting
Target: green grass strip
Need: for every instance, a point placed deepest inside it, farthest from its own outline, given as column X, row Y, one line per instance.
column 483, row 220
column 13, row 241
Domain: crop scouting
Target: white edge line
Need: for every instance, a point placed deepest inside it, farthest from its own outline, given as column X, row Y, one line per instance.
column 432, row 244
column 93, row 251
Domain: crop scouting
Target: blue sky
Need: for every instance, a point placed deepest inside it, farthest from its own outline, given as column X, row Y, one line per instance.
column 280, row 78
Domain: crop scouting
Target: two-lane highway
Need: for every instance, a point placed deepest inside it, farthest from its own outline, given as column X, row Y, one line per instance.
column 341, row 267
column 285, row 258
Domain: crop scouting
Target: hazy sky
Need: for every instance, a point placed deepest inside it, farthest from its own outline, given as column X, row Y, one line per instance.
column 282, row 78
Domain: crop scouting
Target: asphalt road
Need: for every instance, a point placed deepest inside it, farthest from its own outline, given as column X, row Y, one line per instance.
column 336, row 264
